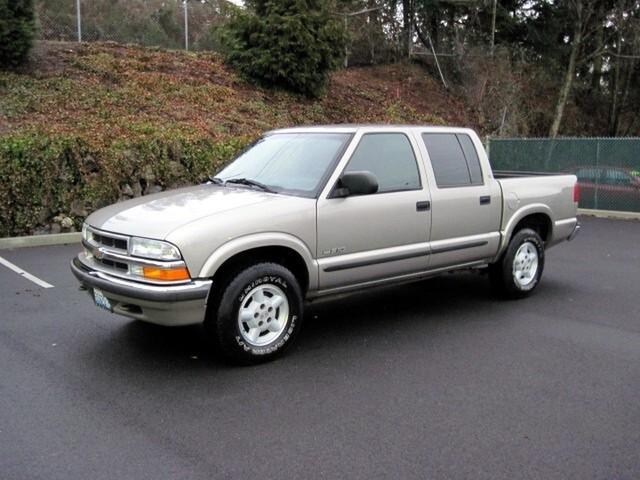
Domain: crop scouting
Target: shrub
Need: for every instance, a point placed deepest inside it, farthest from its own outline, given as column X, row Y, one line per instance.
column 288, row 43
column 16, row 31
column 42, row 176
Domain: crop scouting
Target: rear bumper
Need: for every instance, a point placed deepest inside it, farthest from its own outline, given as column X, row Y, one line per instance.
column 564, row 230
column 575, row 232
column 170, row 305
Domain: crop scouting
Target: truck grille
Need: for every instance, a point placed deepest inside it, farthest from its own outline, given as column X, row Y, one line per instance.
column 105, row 240
column 122, row 267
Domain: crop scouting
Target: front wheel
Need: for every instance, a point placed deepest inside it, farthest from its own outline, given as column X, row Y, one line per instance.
column 519, row 270
column 258, row 314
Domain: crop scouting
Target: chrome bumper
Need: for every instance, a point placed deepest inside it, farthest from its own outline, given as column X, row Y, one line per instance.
column 170, row 305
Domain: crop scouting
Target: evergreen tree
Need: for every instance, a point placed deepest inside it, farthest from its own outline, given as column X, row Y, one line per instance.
column 16, row 31
column 293, row 44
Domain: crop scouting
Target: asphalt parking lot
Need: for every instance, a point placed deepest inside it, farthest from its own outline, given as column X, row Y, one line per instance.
column 431, row 380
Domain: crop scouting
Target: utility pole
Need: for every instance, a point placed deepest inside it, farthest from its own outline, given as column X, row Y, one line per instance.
column 493, row 26
column 346, row 45
column 186, row 25
column 410, row 38
column 79, row 20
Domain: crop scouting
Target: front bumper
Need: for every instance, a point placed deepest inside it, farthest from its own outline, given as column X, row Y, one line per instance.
column 169, row 305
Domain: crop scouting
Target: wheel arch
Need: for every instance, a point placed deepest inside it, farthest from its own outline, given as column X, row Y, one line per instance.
column 536, row 216
column 280, row 248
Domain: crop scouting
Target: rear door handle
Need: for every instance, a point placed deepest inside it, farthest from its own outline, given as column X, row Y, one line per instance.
column 423, row 206
column 485, row 200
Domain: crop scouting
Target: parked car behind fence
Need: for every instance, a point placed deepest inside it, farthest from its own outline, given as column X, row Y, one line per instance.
column 608, row 169
column 618, row 188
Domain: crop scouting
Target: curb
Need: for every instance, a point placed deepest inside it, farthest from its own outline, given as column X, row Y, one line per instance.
column 610, row 214
column 40, row 240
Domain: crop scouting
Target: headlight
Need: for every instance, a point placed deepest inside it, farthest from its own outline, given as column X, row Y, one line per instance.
column 155, row 249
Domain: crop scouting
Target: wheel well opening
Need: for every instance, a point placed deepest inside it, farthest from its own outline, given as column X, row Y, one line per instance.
column 282, row 255
column 539, row 222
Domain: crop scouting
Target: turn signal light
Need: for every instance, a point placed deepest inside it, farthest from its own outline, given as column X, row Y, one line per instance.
column 166, row 274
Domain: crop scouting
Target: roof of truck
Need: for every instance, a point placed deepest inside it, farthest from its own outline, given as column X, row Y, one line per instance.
column 353, row 127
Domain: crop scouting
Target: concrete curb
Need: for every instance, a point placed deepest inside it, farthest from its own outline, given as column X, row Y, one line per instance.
column 610, row 214
column 40, row 240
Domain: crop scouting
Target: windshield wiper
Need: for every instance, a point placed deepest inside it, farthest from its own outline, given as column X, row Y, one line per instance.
column 216, row 180
column 251, row 183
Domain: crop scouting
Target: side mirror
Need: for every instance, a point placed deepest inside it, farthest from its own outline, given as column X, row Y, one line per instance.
column 355, row 183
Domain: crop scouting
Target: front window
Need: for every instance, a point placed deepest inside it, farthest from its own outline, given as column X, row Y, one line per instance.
column 291, row 163
column 390, row 157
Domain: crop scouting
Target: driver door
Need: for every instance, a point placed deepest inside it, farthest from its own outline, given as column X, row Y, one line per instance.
column 365, row 238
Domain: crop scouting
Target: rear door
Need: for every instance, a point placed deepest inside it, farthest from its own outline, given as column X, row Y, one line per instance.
column 466, row 201
column 371, row 237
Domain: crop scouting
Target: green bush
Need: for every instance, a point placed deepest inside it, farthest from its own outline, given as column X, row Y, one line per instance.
column 43, row 176
column 287, row 43
column 17, row 29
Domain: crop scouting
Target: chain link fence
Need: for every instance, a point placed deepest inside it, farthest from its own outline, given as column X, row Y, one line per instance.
column 608, row 169
column 171, row 24
column 190, row 24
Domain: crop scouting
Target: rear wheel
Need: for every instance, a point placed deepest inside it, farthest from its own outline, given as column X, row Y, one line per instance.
column 519, row 270
column 258, row 314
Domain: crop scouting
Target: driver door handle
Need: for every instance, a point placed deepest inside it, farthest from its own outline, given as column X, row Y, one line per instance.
column 423, row 206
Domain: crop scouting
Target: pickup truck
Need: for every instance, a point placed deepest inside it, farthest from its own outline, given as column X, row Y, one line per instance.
column 314, row 211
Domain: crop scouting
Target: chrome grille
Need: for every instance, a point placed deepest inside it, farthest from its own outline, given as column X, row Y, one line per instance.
column 120, row 266
column 110, row 241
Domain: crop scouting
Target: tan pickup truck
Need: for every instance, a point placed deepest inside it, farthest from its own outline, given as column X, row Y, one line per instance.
column 313, row 211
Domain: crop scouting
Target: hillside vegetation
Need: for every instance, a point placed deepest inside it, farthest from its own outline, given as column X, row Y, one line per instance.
column 86, row 125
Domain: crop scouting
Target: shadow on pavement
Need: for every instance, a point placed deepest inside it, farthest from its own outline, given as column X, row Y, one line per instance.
column 421, row 305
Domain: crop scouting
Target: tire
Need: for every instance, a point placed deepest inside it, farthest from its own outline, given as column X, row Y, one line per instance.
column 258, row 315
column 518, row 280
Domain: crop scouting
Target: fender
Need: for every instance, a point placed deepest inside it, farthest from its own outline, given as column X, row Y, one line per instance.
column 257, row 240
column 519, row 214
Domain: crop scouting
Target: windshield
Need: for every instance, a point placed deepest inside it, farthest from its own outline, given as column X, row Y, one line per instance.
column 293, row 163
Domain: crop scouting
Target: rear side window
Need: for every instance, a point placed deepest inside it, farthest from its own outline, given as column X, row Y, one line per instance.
column 473, row 162
column 390, row 157
column 454, row 159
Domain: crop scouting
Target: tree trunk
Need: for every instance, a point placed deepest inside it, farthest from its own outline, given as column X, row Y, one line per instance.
column 434, row 20
column 407, row 14
column 613, row 109
column 373, row 30
column 597, row 61
column 569, row 76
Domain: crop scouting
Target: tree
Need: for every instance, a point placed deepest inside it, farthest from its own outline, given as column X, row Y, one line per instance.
column 580, row 15
column 293, row 44
column 625, row 46
column 16, row 31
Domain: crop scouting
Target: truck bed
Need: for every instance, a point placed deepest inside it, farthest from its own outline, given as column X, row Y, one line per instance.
column 551, row 193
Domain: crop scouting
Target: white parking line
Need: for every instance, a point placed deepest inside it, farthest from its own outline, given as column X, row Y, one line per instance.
column 26, row 275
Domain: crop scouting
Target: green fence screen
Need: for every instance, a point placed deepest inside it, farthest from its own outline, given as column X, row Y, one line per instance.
column 608, row 169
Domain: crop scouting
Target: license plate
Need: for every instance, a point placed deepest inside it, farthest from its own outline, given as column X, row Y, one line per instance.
column 101, row 300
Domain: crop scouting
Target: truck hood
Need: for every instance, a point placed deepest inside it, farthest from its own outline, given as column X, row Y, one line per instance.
column 157, row 215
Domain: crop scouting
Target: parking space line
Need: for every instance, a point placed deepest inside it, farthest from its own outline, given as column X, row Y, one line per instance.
column 26, row 275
